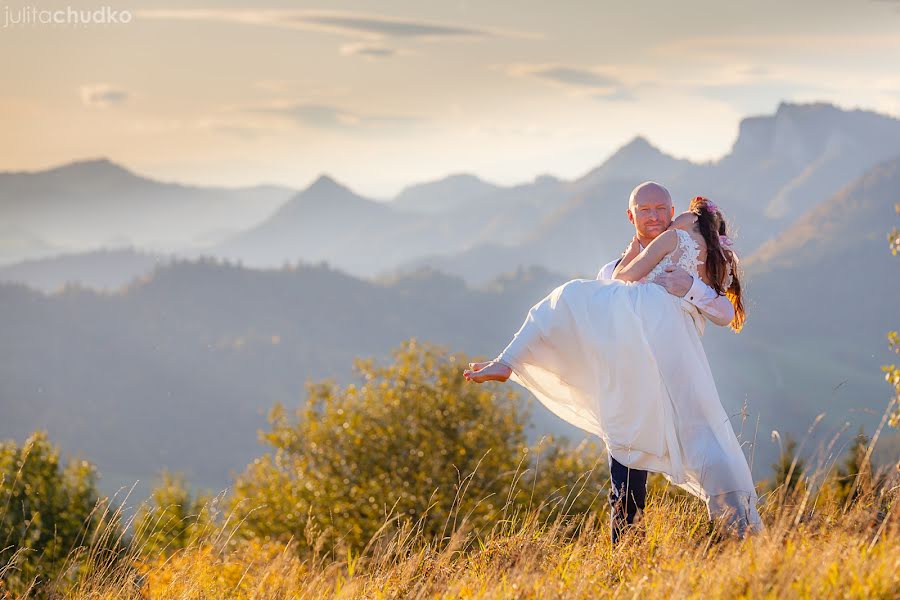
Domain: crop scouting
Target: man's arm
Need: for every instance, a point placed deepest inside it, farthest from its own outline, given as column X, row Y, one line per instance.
column 678, row 282
column 716, row 308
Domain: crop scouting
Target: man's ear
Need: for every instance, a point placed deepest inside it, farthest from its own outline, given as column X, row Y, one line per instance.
column 631, row 216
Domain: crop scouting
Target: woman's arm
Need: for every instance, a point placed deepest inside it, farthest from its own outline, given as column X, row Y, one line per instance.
column 650, row 257
column 631, row 252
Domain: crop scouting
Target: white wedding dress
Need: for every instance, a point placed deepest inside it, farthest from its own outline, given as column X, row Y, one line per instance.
column 624, row 361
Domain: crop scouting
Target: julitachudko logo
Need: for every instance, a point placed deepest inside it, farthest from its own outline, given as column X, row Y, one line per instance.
column 68, row 16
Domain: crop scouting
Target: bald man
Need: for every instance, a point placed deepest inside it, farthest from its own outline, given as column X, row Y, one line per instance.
column 650, row 210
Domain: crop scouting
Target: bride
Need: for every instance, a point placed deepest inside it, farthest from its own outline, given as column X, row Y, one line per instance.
column 623, row 359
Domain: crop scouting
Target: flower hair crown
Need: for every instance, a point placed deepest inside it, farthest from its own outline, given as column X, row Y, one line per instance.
column 709, row 204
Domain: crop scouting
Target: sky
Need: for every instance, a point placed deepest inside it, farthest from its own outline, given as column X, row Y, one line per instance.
column 383, row 95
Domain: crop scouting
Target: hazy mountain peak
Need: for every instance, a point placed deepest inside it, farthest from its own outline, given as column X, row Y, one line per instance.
column 92, row 167
column 636, row 160
column 325, row 183
column 448, row 193
column 794, row 109
column 547, row 179
column 88, row 176
column 324, row 196
column 638, row 146
column 462, row 178
column 638, row 150
column 326, row 190
column 99, row 162
column 799, row 132
column 454, row 179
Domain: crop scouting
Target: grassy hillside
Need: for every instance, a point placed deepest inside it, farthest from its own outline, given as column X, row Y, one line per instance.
column 813, row 547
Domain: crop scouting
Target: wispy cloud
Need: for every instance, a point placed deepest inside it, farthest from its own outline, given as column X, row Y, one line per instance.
column 715, row 48
column 241, row 129
column 103, row 95
column 344, row 23
column 326, row 116
column 575, row 76
column 233, row 126
column 367, row 50
column 597, row 82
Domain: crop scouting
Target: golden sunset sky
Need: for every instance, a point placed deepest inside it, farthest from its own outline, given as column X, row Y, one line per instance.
column 383, row 94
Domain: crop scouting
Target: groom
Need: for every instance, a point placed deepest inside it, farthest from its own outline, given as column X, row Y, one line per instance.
column 650, row 210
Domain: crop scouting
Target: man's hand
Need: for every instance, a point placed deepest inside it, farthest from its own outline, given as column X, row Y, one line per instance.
column 631, row 252
column 633, row 249
column 676, row 280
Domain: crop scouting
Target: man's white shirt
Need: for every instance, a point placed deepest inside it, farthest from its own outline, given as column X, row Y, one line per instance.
column 718, row 309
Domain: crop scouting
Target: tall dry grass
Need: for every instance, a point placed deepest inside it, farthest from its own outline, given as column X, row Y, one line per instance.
column 819, row 542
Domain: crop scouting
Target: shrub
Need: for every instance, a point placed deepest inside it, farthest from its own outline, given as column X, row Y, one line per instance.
column 413, row 441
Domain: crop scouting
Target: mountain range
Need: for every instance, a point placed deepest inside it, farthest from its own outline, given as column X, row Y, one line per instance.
column 179, row 368
column 95, row 203
column 141, row 356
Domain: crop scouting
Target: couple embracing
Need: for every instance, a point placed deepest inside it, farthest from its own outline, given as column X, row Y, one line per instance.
column 620, row 356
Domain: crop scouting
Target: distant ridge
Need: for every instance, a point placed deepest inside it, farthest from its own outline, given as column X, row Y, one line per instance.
column 780, row 166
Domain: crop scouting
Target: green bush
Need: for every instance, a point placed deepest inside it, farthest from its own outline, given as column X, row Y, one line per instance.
column 171, row 519
column 789, row 470
column 892, row 372
column 411, row 441
column 49, row 514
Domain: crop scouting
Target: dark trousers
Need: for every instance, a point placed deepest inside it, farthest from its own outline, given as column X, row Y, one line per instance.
column 627, row 495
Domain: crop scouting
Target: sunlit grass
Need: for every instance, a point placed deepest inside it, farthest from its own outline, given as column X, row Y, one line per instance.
column 815, row 546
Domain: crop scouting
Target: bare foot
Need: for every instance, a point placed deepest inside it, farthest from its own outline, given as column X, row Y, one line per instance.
column 487, row 371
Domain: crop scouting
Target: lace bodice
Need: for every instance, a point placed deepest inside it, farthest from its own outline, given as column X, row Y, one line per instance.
column 685, row 255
